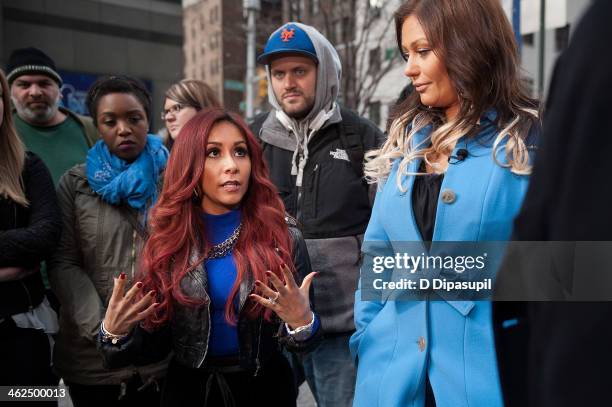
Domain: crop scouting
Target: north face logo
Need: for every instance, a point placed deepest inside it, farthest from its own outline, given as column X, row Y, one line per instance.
column 287, row 35
column 339, row 155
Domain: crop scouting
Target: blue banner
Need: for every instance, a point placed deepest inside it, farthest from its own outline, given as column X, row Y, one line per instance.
column 75, row 87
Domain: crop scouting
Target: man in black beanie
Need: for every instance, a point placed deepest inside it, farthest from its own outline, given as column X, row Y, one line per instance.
column 58, row 136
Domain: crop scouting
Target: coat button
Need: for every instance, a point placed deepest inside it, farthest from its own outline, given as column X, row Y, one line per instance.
column 421, row 343
column 448, row 196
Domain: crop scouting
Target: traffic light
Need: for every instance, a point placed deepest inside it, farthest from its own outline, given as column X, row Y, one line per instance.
column 262, row 83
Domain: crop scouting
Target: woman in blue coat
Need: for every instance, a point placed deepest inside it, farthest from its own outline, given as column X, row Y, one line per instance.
column 454, row 169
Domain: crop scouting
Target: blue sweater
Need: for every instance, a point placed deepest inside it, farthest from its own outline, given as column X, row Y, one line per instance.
column 221, row 277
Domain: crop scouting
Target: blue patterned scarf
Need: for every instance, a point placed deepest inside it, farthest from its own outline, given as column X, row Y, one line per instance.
column 117, row 181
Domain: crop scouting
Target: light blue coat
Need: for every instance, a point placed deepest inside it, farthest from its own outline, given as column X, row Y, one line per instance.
column 398, row 343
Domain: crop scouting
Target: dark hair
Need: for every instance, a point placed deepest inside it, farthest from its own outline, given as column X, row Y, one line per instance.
column 117, row 84
column 475, row 41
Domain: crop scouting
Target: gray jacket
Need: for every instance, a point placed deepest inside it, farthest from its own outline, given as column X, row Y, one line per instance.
column 97, row 244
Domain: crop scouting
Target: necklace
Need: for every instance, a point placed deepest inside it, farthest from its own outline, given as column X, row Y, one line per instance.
column 221, row 249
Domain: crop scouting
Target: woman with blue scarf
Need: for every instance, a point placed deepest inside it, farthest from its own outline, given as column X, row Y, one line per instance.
column 104, row 203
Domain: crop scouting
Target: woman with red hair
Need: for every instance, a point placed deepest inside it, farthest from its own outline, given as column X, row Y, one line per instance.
column 217, row 272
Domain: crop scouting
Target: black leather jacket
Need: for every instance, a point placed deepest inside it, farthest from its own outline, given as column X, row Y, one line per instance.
column 188, row 333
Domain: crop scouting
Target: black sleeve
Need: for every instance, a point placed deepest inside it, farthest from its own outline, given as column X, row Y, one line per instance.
column 373, row 136
column 141, row 348
column 28, row 246
column 257, row 123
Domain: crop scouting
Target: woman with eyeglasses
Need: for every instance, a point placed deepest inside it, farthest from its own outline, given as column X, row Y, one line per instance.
column 225, row 277
column 183, row 101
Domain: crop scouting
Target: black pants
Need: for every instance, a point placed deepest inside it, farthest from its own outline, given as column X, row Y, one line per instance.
column 274, row 386
column 127, row 394
column 25, row 355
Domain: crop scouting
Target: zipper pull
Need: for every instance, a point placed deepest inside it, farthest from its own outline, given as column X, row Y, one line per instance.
column 258, row 366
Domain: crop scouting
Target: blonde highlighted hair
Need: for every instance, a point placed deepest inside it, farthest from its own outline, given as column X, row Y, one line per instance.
column 474, row 40
column 194, row 93
column 12, row 153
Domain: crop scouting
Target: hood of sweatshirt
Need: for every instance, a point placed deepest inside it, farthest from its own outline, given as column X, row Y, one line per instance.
column 294, row 135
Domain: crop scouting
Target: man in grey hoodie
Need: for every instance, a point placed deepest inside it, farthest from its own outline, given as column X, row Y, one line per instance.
column 315, row 152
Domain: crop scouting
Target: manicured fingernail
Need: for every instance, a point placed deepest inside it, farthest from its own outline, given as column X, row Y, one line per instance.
column 283, row 266
column 155, row 305
column 122, row 276
column 139, row 285
column 257, row 282
column 152, row 293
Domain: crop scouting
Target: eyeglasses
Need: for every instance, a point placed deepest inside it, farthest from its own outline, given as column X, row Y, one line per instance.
column 173, row 109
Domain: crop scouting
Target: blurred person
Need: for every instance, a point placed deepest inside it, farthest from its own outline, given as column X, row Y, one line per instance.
column 183, row 101
column 58, row 136
column 30, row 227
column 218, row 277
column 315, row 152
column 104, row 204
column 558, row 353
column 454, row 168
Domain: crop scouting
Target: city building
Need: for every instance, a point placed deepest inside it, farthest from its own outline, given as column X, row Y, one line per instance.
column 215, row 44
column 89, row 38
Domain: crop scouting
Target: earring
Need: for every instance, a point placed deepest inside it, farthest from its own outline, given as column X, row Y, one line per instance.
column 195, row 198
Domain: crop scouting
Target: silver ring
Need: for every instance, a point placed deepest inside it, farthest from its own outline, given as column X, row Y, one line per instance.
column 273, row 300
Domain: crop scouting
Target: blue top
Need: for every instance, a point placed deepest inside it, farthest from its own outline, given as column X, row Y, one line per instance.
column 221, row 277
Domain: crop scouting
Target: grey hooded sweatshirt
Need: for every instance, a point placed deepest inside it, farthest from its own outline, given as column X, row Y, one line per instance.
column 337, row 259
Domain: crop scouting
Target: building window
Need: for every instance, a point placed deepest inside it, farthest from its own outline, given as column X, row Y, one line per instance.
column 296, row 11
column 528, row 39
column 374, row 7
column 346, row 30
column 332, row 35
column 314, row 7
column 562, row 38
column 374, row 64
column 214, row 41
column 391, row 53
column 374, row 112
column 214, row 14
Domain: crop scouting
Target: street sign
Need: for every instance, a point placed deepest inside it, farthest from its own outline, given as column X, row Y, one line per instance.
column 231, row 84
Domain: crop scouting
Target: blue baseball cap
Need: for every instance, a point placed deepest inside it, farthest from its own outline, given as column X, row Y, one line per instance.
column 288, row 39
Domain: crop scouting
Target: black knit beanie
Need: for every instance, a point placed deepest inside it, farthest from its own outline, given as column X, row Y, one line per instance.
column 30, row 60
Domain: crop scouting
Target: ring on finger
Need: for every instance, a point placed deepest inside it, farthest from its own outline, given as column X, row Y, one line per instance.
column 273, row 300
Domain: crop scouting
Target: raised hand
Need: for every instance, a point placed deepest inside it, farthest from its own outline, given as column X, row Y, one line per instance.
column 125, row 311
column 290, row 302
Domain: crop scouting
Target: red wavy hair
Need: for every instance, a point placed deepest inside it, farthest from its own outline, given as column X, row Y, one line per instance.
column 177, row 227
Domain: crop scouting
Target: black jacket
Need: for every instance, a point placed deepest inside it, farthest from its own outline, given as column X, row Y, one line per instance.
column 334, row 200
column 558, row 353
column 28, row 235
column 188, row 332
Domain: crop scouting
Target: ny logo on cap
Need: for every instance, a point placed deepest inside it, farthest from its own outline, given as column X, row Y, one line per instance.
column 287, row 35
